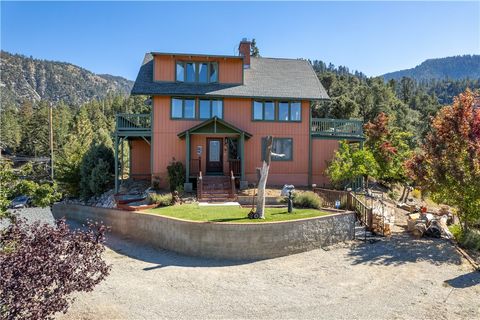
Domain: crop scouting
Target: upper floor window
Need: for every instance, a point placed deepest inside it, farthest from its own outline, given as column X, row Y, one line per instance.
column 210, row 108
column 264, row 110
column 281, row 111
column 183, row 108
column 289, row 111
column 196, row 72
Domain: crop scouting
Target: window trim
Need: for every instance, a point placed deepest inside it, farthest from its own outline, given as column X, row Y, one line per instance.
column 183, row 108
column 262, row 145
column 276, row 110
column 290, row 102
column 196, row 108
column 210, row 108
column 197, row 70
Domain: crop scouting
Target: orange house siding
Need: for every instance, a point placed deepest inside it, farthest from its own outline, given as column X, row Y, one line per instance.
column 238, row 112
column 140, row 159
column 322, row 152
column 230, row 69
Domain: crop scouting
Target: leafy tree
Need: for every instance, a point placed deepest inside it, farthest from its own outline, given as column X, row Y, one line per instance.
column 350, row 163
column 449, row 162
column 42, row 265
column 45, row 195
column 7, row 179
column 389, row 148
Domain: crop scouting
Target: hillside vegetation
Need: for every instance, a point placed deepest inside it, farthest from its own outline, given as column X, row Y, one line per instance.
column 452, row 68
column 28, row 79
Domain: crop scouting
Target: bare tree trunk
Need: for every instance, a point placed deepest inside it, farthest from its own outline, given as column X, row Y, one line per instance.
column 403, row 193
column 262, row 183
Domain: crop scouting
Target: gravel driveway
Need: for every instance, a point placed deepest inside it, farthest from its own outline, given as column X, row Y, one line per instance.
column 400, row 278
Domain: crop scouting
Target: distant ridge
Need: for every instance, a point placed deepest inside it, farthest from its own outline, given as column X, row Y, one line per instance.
column 25, row 78
column 453, row 68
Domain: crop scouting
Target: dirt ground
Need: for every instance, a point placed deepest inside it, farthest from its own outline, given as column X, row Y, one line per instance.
column 397, row 278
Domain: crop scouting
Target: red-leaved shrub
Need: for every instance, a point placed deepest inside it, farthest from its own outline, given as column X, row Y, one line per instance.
column 41, row 265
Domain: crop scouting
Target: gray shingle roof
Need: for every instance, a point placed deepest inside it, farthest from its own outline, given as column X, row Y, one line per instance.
column 266, row 78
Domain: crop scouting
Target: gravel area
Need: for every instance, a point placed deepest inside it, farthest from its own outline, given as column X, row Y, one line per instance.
column 397, row 278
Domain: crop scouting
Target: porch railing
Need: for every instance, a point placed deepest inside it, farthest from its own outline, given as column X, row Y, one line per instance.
column 337, row 127
column 329, row 197
column 234, row 166
column 195, row 166
column 135, row 122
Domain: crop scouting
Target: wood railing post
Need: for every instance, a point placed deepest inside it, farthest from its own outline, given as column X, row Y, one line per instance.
column 199, row 186
column 232, row 184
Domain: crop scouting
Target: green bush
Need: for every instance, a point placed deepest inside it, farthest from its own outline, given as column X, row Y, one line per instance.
column 162, row 200
column 307, row 199
column 96, row 170
column 176, row 175
column 469, row 239
column 45, row 195
column 25, row 187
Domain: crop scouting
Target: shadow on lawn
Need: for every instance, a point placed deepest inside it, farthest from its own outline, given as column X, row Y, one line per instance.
column 402, row 249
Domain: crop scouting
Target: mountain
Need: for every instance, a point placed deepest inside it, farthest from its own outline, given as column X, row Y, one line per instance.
column 453, row 68
column 25, row 78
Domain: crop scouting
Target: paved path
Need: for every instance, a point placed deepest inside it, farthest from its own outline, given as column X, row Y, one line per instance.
column 399, row 278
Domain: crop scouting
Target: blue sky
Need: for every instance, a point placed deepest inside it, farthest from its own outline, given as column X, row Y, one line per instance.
column 112, row 37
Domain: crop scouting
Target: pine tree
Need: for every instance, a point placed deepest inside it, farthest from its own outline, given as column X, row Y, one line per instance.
column 254, row 51
column 10, row 129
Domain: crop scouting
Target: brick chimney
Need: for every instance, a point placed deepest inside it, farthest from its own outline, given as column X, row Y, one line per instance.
column 244, row 50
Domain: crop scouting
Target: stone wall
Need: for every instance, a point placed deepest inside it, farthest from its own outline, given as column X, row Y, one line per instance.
column 219, row 240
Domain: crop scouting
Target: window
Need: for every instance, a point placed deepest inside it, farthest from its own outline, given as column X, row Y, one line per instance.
column 264, row 110
column 183, row 108
column 180, row 72
column 280, row 146
column 198, row 72
column 213, row 72
column 190, row 74
column 281, row 111
column 211, row 108
column 289, row 111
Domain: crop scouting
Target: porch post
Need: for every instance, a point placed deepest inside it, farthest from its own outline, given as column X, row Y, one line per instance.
column 242, row 156
column 116, row 163
column 187, row 158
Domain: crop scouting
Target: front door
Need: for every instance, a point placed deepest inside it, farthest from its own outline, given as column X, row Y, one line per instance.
column 214, row 155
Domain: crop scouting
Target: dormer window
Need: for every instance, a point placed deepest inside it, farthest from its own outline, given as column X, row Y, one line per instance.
column 196, row 72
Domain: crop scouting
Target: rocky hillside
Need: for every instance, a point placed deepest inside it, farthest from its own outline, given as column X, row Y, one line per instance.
column 452, row 68
column 23, row 78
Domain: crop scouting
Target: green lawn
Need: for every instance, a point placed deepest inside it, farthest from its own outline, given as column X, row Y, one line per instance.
column 232, row 213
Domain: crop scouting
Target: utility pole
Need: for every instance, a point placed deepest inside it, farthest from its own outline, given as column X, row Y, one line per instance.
column 50, row 124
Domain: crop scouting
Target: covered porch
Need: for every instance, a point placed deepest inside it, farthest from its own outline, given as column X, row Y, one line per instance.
column 214, row 148
column 134, row 132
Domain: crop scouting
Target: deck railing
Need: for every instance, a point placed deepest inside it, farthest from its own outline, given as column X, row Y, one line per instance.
column 337, row 127
column 135, row 122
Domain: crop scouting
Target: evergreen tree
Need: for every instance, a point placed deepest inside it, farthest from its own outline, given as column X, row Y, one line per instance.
column 254, row 51
column 10, row 129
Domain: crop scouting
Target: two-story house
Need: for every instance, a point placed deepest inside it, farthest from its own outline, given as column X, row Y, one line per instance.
column 213, row 112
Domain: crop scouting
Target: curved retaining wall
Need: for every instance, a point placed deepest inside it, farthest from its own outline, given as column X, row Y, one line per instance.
column 219, row 240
